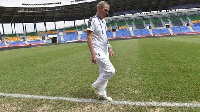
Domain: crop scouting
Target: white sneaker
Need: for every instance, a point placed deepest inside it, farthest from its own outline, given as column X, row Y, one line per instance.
column 101, row 97
column 105, row 98
column 96, row 90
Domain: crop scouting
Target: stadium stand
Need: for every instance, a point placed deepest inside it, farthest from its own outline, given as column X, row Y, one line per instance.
column 142, row 32
column 70, row 29
column 139, row 24
column 180, row 29
column 109, row 34
column 157, row 23
column 176, row 21
column 2, row 44
column 51, row 32
column 185, row 19
column 123, row 33
column 121, row 23
column 196, row 27
column 130, row 23
column 71, row 36
column 14, row 40
column 113, row 24
column 165, row 20
column 160, row 31
column 195, row 18
column 84, row 36
column 147, row 22
column 34, row 39
column 59, row 39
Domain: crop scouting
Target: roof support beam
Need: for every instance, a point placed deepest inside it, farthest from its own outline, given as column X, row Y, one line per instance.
column 45, row 26
column 2, row 15
column 150, row 9
column 3, row 29
column 141, row 1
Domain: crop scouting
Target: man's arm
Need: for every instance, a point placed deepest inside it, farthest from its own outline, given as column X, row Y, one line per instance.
column 110, row 49
column 89, row 41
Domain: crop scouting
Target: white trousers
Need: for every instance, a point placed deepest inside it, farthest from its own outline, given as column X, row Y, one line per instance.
column 106, row 71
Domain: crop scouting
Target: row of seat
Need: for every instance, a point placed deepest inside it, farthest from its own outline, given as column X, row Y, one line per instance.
column 19, row 43
column 180, row 29
column 160, row 31
column 137, row 32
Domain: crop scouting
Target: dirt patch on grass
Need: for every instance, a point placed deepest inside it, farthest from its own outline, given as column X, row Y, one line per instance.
column 8, row 107
column 156, row 110
column 44, row 108
column 97, row 108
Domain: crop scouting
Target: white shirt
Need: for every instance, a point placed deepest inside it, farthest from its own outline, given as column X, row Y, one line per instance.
column 99, row 38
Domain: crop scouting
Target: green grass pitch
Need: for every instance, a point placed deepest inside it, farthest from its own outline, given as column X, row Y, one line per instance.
column 149, row 69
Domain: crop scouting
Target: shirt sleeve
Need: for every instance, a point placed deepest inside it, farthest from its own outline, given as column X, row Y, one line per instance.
column 90, row 25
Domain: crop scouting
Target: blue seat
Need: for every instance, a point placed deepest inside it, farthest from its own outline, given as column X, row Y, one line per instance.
column 59, row 39
column 180, row 29
column 2, row 44
column 84, row 36
column 196, row 27
column 123, row 33
column 141, row 32
column 160, row 31
column 109, row 34
column 70, row 37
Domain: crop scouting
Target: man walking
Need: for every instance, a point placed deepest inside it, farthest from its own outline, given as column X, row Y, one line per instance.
column 99, row 47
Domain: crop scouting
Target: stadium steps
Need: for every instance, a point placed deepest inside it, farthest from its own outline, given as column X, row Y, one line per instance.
column 132, row 33
column 114, row 34
column 134, row 27
column 144, row 24
column 190, row 28
column 170, row 30
column 79, row 36
column 162, row 22
column 182, row 21
column 150, row 30
column 152, row 25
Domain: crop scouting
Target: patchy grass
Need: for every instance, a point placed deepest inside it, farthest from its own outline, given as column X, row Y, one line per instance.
column 159, row 69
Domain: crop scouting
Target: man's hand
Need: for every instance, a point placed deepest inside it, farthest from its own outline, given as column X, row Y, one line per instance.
column 111, row 52
column 94, row 59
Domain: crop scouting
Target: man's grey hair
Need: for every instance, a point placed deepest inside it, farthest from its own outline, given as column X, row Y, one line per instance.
column 102, row 3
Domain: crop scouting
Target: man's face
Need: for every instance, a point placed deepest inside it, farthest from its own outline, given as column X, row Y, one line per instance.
column 104, row 11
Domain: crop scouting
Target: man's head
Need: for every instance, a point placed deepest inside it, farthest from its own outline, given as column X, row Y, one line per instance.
column 102, row 9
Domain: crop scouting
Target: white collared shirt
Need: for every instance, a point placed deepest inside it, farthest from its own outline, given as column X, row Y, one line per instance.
column 99, row 38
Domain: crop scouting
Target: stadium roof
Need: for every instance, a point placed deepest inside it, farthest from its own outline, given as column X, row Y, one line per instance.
column 60, row 10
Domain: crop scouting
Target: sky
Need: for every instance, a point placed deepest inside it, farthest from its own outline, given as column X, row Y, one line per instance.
column 9, row 29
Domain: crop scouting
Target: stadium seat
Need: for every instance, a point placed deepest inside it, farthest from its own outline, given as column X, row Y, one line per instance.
column 70, row 37
column 139, row 24
column 157, row 22
column 109, row 34
column 2, row 44
column 176, row 21
column 59, row 39
column 180, row 29
column 141, row 32
column 123, row 33
column 160, row 31
column 196, row 27
column 84, row 36
column 36, row 42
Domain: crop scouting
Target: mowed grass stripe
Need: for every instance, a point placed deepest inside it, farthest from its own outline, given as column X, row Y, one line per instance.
column 146, row 70
column 168, row 70
column 45, row 73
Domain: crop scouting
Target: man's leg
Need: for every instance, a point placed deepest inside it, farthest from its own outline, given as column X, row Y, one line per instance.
column 106, row 70
column 101, row 83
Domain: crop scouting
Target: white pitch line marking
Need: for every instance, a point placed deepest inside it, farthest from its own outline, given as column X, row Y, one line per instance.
column 135, row 103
